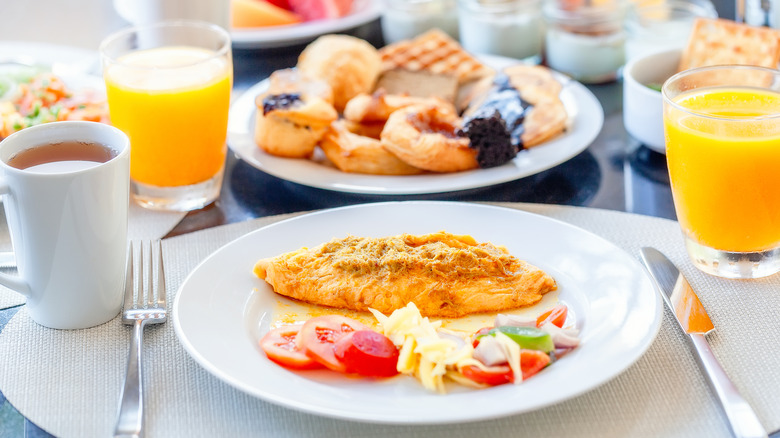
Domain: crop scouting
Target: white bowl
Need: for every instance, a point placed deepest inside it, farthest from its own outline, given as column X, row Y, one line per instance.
column 642, row 105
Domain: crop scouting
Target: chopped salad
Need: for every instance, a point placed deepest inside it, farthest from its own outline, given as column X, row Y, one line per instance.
column 405, row 342
column 33, row 97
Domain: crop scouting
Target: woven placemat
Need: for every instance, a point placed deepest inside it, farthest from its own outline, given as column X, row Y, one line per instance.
column 141, row 224
column 68, row 382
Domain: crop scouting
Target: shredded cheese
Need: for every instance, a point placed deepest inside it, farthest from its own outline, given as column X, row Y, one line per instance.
column 424, row 353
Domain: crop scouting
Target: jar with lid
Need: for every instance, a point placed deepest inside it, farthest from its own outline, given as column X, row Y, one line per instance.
column 405, row 19
column 512, row 28
column 653, row 27
column 585, row 39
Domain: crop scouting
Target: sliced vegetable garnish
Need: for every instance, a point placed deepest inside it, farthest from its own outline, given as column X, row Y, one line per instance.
column 556, row 315
column 530, row 338
column 533, row 361
column 367, row 353
column 279, row 345
column 319, row 335
column 497, row 375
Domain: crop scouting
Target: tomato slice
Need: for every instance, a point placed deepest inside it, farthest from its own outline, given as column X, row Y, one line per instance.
column 556, row 315
column 279, row 345
column 496, row 375
column 531, row 362
column 368, row 353
column 318, row 336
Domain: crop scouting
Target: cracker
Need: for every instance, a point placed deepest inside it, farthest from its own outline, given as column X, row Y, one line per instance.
column 725, row 42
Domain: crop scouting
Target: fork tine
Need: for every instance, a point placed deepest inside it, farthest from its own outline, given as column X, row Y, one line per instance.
column 139, row 280
column 128, row 303
column 161, row 290
column 150, row 279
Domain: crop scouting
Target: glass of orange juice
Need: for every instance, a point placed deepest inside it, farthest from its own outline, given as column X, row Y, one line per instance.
column 168, row 86
column 722, row 128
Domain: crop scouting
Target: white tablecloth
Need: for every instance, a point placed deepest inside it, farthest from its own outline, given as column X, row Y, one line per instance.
column 68, row 382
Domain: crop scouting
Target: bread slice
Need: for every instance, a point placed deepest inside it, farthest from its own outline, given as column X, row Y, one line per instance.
column 418, row 84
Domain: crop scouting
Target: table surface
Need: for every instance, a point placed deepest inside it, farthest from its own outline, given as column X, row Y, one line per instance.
column 615, row 172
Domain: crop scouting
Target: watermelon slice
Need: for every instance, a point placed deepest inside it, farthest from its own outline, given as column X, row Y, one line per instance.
column 321, row 9
column 284, row 4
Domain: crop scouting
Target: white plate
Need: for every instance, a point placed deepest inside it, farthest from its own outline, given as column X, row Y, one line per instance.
column 363, row 11
column 58, row 58
column 585, row 120
column 222, row 310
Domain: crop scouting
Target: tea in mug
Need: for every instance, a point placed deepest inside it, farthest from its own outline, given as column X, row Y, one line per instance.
column 62, row 157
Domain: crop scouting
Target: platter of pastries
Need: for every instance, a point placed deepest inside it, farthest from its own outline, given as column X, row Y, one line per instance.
column 417, row 116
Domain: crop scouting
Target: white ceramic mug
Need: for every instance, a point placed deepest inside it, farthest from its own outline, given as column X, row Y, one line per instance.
column 68, row 229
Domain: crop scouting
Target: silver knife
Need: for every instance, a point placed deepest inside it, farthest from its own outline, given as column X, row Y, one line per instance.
column 694, row 321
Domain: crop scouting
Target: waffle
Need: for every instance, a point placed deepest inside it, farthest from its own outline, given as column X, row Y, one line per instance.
column 434, row 52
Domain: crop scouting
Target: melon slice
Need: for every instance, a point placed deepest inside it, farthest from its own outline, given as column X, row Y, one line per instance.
column 260, row 13
column 321, row 9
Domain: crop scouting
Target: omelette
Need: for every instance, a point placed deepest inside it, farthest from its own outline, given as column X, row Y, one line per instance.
column 444, row 275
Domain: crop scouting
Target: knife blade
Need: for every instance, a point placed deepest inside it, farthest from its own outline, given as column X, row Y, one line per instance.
column 692, row 318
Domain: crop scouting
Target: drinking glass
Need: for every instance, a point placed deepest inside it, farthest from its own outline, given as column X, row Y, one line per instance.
column 722, row 129
column 511, row 28
column 168, row 86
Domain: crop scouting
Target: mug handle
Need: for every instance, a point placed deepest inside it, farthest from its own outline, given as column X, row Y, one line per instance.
column 12, row 282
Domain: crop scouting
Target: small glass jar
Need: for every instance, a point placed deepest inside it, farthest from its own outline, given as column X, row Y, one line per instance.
column 761, row 13
column 405, row 19
column 585, row 39
column 654, row 27
column 512, row 28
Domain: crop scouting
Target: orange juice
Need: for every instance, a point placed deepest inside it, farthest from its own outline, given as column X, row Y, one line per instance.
column 173, row 104
column 724, row 167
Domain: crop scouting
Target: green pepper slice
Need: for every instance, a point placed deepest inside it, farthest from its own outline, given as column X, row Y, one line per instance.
column 529, row 338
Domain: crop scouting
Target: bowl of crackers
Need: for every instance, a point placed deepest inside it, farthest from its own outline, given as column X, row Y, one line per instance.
column 712, row 42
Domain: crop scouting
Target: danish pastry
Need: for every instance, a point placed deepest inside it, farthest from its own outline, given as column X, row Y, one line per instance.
column 426, row 136
column 366, row 114
column 290, row 125
column 547, row 117
column 377, row 107
column 291, row 80
column 359, row 154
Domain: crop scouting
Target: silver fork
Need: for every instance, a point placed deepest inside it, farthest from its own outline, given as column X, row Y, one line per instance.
column 139, row 312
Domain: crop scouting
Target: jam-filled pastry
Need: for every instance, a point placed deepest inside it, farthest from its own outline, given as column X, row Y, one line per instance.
column 293, row 81
column 359, row 154
column 290, row 125
column 426, row 136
